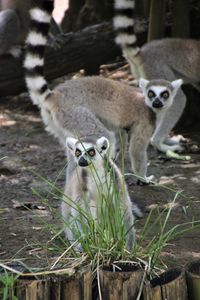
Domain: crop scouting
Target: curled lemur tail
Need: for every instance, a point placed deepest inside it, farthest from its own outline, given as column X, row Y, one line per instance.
column 124, row 25
column 36, row 41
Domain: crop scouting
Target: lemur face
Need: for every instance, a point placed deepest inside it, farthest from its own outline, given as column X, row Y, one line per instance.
column 158, row 97
column 159, row 94
column 86, row 153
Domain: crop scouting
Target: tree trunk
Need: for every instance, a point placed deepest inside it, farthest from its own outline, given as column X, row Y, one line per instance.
column 146, row 4
column 157, row 20
column 181, row 19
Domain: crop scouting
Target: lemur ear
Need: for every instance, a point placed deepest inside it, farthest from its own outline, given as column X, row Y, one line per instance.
column 103, row 144
column 71, row 143
column 143, row 83
column 176, row 85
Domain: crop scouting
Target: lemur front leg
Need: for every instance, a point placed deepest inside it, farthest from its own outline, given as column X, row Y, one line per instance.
column 139, row 141
column 165, row 125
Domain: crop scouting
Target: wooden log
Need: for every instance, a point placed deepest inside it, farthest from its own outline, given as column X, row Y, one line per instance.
column 86, row 49
column 55, row 288
column 52, row 287
column 193, row 279
column 120, row 285
column 151, row 293
column 32, row 289
column 170, row 285
column 78, row 287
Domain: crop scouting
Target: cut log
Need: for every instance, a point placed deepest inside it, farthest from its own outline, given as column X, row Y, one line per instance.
column 32, row 289
column 86, row 49
column 170, row 285
column 52, row 287
column 193, row 279
column 122, row 284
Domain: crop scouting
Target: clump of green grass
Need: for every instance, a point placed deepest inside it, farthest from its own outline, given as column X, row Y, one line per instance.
column 103, row 240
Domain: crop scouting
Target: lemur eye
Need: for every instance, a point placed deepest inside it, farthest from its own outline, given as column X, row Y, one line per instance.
column 77, row 152
column 165, row 95
column 151, row 94
column 91, row 152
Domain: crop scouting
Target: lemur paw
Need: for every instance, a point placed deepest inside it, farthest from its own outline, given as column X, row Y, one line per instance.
column 174, row 140
column 175, row 148
column 146, row 180
column 164, row 147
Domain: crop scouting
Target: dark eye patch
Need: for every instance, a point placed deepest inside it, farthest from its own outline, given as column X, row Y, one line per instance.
column 165, row 94
column 77, row 152
column 151, row 94
column 91, row 152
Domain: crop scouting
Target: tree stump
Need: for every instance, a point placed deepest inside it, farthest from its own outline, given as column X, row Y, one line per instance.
column 156, row 20
column 122, row 284
column 53, row 287
column 193, row 279
column 32, row 289
column 169, row 285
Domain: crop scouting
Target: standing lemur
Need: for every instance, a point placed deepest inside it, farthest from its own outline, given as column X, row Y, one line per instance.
column 94, row 106
column 165, row 58
column 96, row 185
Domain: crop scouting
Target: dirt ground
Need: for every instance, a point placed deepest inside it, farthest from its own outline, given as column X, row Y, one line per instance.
column 28, row 152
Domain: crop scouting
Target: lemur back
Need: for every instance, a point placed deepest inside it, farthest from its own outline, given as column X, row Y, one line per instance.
column 169, row 59
column 92, row 106
column 96, row 182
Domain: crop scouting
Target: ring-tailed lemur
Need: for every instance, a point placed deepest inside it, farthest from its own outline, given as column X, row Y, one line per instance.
column 166, row 58
column 94, row 106
column 96, row 182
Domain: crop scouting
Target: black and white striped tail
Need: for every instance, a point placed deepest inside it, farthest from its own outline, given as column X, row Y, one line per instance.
column 36, row 41
column 124, row 25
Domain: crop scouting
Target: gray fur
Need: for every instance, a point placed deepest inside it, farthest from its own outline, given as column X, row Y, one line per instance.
column 166, row 58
